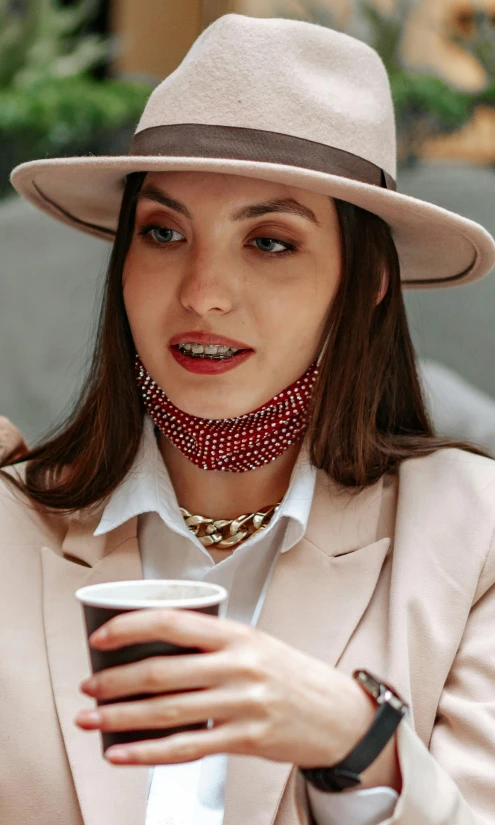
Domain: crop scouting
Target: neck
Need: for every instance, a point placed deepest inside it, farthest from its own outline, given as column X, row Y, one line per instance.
column 223, row 495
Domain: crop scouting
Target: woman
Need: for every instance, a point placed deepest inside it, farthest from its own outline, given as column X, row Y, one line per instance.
column 253, row 358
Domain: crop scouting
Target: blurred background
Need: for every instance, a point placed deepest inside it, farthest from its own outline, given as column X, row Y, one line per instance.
column 74, row 78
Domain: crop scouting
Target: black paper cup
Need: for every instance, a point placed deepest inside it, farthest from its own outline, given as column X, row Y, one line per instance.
column 101, row 602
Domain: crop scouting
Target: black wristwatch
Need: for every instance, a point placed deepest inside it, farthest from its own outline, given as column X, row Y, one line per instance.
column 391, row 710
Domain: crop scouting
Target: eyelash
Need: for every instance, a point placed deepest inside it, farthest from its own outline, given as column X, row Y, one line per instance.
column 147, row 237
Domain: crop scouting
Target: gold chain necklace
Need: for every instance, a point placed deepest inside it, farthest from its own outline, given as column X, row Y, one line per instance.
column 226, row 533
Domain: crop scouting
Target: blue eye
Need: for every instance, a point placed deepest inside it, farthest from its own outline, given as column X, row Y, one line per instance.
column 287, row 246
column 159, row 234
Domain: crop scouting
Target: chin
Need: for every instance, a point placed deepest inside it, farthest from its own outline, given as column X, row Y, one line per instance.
column 214, row 410
column 203, row 405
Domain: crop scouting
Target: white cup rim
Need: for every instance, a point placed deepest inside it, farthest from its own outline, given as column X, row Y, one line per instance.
column 94, row 594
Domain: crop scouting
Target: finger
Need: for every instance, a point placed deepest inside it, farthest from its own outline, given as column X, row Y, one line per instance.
column 186, row 628
column 165, row 711
column 160, row 674
column 186, row 747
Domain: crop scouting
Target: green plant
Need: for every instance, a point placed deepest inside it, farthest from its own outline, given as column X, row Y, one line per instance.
column 49, row 103
column 74, row 116
column 68, row 111
column 425, row 106
column 487, row 95
column 42, row 38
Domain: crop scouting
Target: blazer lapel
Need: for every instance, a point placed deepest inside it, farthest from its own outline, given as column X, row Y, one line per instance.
column 108, row 795
column 319, row 590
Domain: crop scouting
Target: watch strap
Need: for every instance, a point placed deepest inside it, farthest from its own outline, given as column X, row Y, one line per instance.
column 371, row 745
column 346, row 773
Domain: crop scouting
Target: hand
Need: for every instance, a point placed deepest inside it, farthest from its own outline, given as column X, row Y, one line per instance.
column 266, row 698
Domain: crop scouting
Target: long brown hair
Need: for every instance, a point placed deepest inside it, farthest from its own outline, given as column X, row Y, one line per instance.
column 368, row 412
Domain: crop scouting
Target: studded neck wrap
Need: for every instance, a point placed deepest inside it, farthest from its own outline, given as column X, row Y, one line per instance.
column 232, row 444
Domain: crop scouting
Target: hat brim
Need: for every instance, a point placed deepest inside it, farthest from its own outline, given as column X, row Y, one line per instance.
column 436, row 247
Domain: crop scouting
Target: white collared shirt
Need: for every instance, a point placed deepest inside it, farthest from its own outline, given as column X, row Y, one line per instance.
column 193, row 792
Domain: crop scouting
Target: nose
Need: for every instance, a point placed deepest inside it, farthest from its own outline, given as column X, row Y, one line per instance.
column 208, row 285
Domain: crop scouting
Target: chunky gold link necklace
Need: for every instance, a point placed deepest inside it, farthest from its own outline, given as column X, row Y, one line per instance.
column 226, row 533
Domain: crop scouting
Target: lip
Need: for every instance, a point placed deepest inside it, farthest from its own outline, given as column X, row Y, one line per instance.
column 207, row 366
column 195, row 337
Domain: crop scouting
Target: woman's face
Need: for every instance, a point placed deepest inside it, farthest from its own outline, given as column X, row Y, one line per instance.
column 255, row 262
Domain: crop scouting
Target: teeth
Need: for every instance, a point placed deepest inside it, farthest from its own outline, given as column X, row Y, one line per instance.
column 211, row 350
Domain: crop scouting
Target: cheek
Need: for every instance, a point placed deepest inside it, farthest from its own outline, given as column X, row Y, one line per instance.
column 145, row 297
column 297, row 310
column 322, row 290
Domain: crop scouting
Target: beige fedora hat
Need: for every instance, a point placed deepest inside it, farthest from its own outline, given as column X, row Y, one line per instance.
column 281, row 100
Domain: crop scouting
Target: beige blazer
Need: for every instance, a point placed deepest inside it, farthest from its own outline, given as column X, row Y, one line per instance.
column 399, row 579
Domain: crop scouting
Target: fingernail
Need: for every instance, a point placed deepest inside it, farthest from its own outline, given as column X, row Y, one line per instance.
column 89, row 685
column 89, row 717
column 121, row 754
column 98, row 636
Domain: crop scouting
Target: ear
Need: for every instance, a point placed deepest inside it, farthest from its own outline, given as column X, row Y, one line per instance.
column 383, row 287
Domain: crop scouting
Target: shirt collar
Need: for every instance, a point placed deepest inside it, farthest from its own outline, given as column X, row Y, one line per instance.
column 147, row 487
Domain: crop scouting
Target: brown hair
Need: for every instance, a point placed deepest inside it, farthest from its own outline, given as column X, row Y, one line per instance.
column 368, row 412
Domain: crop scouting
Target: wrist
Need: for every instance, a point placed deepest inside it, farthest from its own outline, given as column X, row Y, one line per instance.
column 384, row 771
column 357, row 710
column 369, row 715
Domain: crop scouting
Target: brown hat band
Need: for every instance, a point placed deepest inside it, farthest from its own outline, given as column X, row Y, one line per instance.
column 236, row 143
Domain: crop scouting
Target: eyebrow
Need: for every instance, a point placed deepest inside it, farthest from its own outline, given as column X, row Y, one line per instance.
column 255, row 210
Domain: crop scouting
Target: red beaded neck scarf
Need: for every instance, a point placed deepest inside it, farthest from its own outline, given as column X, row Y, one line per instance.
column 232, row 444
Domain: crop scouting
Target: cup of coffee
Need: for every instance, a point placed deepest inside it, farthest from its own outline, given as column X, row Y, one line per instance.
column 101, row 602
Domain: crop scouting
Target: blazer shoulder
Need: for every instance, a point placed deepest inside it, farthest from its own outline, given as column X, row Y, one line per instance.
column 470, row 484
column 455, row 470
column 450, row 495
column 22, row 521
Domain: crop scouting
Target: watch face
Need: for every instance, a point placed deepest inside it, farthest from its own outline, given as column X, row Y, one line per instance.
column 380, row 690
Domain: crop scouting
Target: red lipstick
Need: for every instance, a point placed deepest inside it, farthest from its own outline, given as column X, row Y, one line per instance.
column 208, row 366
